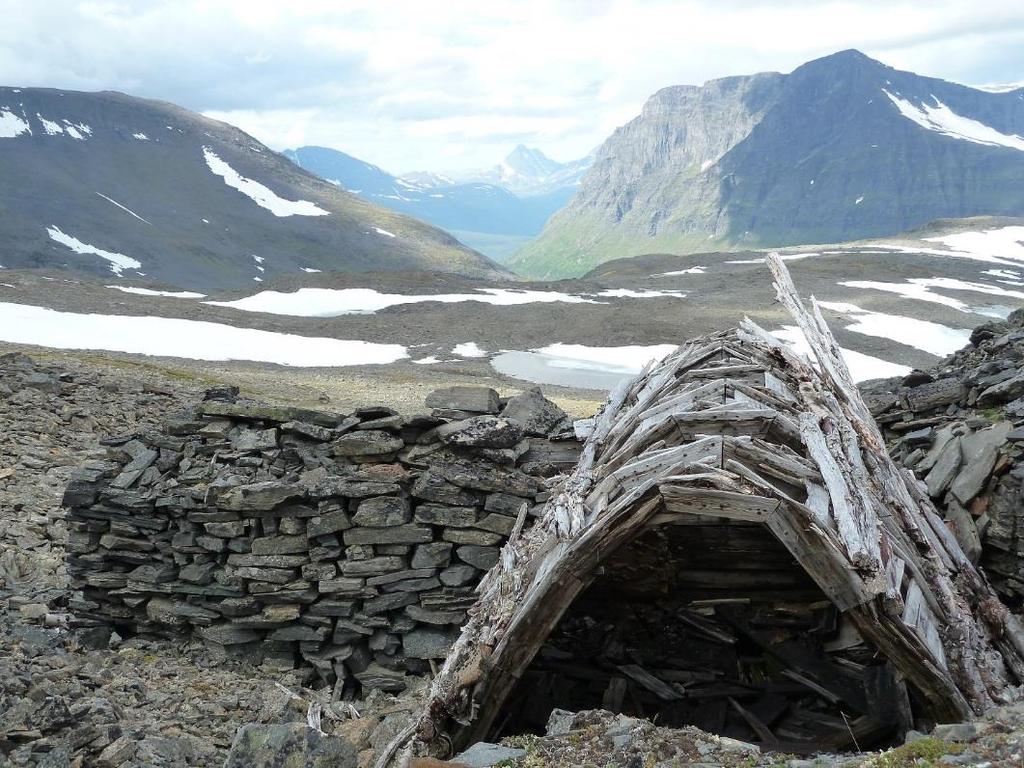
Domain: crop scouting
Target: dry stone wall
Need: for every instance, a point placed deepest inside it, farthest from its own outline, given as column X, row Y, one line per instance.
column 348, row 543
column 960, row 428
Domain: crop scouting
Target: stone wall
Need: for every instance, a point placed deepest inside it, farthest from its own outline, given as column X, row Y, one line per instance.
column 960, row 428
column 348, row 543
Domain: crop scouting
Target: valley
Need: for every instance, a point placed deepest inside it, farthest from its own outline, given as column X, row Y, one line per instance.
column 895, row 304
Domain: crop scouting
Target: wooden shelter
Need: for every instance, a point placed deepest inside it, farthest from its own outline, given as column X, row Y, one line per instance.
column 737, row 432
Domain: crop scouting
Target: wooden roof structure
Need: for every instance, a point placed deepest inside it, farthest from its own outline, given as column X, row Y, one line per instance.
column 734, row 425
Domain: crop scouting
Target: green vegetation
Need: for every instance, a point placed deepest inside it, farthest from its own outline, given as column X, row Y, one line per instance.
column 922, row 753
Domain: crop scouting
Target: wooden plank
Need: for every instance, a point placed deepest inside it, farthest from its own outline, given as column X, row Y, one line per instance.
column 645, row 679
column 680, row 500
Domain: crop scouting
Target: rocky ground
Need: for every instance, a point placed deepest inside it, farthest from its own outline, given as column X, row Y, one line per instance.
column 74, row 696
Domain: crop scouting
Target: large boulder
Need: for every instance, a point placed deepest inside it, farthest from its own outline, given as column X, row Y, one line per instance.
column 533, row 412
column 289, row 745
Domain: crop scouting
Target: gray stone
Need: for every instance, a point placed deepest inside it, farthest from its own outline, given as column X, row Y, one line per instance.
column 370, row 442
column 383, row 512
column 945, row 468
column 442, row 514
column 959, row 731
column 312, row 431
column 533, row 412
column 472, row 399
column 480, row 432
column 268, row 561
column 227, row 634
column 381, row 678
column 483, row 558
column 435, row 554
column 259, row 497
column 560, row 722
column 504, row 504
column 432, row 487
column 388, row 602
column 255, row 440
column 472, row 536
column 961, row 523
column 500, row 524
column 980, row 451
column 484, row 755
column 429, row 616
column 1002, row 392
column 270, row 575
column 458, row 575
column 351, row 586
column 391, row 578
column 280, row 545
column 374, row 566
column 428, row 643
column 401, row 534
column 484, row 476
column 331, row 522
column 291, row 744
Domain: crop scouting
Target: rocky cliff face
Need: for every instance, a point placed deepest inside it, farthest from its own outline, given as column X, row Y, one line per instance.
column 842, row 148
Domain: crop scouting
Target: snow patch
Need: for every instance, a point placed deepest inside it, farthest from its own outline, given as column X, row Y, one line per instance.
column 52, row 128
column 140, row 136
column 468, row 349
column 784, row 257
column 11, row 125
column 643, row 293
column 933, row 338
column 118, row 261
column 920, row 288
column 258, row 193
column 328, row 302
column 943, row 120
column 151, row 292
column 691, row 270
column 862, row 367
column 384, row 232
column 190, row 339
column 859, row 200
column 310, row 270
column 427, row 360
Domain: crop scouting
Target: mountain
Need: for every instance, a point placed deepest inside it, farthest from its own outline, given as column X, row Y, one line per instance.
column 107, row 184
column 842, row 148
column 485, row 216
column 529, row 172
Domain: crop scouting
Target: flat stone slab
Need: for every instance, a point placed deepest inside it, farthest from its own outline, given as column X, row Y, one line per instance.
column 484, row 755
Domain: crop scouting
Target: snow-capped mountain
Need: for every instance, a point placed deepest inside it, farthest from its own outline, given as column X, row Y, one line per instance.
column 485, row 216
column 842, row 148
column 111, row 185
column 529, row 172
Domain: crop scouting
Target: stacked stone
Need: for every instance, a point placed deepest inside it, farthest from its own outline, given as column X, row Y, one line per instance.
column 960, row 428
column 348, row 543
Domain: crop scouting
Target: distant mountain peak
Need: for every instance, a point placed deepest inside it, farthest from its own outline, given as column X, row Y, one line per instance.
column 844, row 147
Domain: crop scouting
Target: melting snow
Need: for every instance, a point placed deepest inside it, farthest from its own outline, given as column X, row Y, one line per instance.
column 690, row 271
column 51, row 128
column 427, row 360
column 859, row 200
column 11, row 125
column 118, row 261
column 192, row 339
column 258, row 259
column 639, row 294
column 140, row 136
column 1000, row 246
column 126, row 210
column 920, row 288
column 942, row 119
column 862, row 367
column 151, row 292
column 258, row 193
column 310, row 270
column 327, row 302
column 384, row 232
column 627, row 359
column 468, row 349
column 933, row 338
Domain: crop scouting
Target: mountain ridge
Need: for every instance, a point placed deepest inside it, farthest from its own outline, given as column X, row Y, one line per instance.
column 842, row 148
column 94, row 180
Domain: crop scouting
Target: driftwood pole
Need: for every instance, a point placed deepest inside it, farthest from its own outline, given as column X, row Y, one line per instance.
column 727, row 426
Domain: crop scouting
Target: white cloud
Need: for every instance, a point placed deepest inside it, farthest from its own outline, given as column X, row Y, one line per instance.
column 409, row 84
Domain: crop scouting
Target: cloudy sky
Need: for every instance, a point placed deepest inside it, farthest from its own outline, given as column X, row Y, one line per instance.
column 456, row 84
